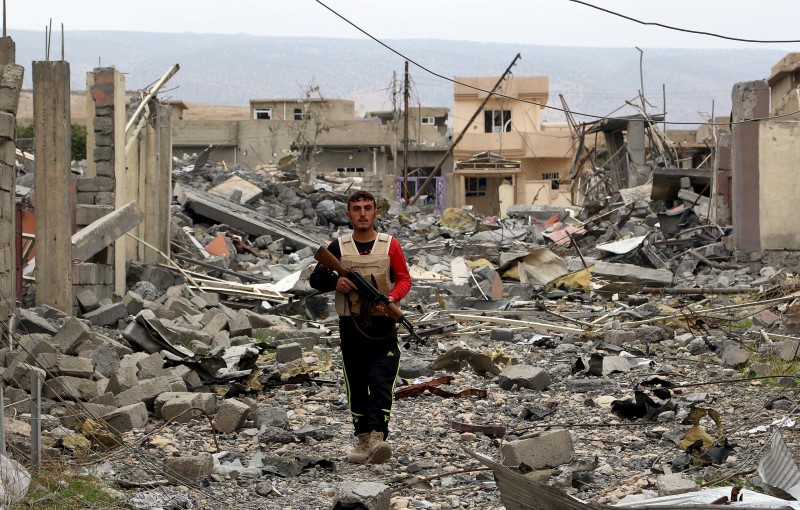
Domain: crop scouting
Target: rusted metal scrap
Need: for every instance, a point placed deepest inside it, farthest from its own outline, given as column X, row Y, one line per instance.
column 432, row 387
column 489, row 430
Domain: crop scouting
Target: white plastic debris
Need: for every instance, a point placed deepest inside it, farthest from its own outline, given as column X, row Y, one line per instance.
column 14, row 481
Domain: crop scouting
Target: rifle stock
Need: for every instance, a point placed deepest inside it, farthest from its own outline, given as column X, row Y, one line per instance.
column 366, row 289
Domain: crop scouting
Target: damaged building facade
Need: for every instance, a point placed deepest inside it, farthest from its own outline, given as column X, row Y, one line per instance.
column 318, row 137
column 508, row 155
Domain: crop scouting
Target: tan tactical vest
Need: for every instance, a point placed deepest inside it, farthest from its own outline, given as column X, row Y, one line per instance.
column 375, row 264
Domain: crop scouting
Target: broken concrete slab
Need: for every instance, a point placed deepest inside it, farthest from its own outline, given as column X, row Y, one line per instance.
column 242, row 218
column 248, row 192
column 105, row 230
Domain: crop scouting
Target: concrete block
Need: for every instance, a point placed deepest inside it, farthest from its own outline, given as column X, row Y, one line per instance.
column 31, row 322
column 104, row 356
column 87, row 301
column 105, row 168
column 211, row 298
column 231, row 415
column 188, row 375
column 104, row 125
column 107, row 315
column 175, row 406
column 150, row 367
column 271, row 416
column 20, row 374
column 106, row 399
column 95, row 184
column 133, row 303
column 102, row 153
column 620, row 336
column 288, row 352
column 734, row 357
column 61, row 364
column 372, row 495
column 501, row 335
column 87, row 214
column 547, row 450
column 70, row 388
column 32, row 345
column 524, row 376
column 127, row 418
column 71, row 335
column 189, row 467
column 123, row 378
column 216, row 323
column 147, row 391
column 240, row 325
column 669, row 485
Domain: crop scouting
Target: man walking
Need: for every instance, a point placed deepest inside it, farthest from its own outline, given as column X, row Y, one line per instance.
column 370, row 351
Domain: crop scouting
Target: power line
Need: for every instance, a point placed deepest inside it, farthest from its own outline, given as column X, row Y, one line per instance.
column 687, row 30
column 543, row 106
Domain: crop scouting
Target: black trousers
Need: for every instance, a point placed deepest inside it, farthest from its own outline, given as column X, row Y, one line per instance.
column 371, row 362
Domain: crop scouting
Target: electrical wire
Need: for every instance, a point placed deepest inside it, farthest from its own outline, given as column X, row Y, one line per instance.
column 687, row 30
column 543, row 106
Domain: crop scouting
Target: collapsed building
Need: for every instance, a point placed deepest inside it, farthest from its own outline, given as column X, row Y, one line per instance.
column 167, row 316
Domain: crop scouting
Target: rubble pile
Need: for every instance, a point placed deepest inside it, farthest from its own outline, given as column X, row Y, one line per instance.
column 617, row 353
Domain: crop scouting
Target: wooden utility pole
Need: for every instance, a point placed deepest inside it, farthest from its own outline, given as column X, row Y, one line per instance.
column 461, row 134
column 405, row 136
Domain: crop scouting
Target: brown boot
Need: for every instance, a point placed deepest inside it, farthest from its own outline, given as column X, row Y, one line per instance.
column 361, row 452
column 379, row 450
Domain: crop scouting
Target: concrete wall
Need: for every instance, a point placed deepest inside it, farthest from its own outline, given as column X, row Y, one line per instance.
column 779, row 187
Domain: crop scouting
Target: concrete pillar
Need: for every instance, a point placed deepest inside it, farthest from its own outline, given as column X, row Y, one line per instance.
column 10, row 84
column 149, row 178
column 750, row 100
column 52, row 186
column 636, row 153
column 104, row 187
column 164, row 176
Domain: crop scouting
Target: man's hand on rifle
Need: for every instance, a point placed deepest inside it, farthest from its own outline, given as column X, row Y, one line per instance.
column 382, row 307
column 345, row 286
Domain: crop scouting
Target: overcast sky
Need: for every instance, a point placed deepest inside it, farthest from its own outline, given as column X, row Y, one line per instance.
column 549, row 22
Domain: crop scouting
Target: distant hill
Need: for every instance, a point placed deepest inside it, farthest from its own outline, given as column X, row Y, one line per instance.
column 232, row 69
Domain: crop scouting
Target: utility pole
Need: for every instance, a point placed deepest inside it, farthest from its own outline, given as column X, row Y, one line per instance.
column 463, row 131
column 405, row 137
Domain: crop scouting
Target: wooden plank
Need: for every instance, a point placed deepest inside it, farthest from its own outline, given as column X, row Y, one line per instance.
column 149, row 195
column 538, row 326
column 51, row 113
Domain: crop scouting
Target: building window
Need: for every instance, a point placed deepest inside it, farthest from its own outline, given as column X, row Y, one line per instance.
column 427, row 121
column 475, row 186
column 497, row 121
column 351, row 169
column 554, row 179
column 299, row 114
column 262, row 113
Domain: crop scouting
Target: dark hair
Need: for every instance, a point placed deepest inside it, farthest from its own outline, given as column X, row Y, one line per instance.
column 360, row 195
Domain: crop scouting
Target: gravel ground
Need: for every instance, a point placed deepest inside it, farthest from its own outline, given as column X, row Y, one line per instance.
column 630, row 454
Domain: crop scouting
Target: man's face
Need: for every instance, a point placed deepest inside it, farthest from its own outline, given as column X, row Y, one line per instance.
column 361, row 214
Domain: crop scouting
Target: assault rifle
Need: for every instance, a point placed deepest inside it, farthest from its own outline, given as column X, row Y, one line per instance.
column 368, row 292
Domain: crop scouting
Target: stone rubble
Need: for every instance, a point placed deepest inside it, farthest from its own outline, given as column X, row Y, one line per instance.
column 157, row 363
